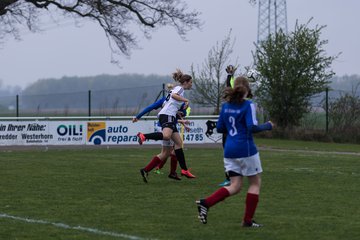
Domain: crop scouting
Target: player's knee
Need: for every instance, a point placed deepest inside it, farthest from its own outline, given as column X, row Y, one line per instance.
column 237, row 190
column 234, row 189
column 166, row 137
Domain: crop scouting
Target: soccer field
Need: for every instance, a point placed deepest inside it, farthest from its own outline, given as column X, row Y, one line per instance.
column 307, row 193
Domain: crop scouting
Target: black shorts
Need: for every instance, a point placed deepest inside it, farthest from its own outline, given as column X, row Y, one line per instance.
column 233, row 174
column 167, row 121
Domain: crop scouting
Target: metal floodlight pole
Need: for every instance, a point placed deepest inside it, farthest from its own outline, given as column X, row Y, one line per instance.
column 272, row 17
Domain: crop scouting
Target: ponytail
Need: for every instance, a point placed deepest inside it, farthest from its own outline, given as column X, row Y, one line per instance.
column 178, row 76
column 239, row 92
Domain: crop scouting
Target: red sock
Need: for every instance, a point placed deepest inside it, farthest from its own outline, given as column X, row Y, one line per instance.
column 152, row 164
column 173, row 164
column 251, row 204
column 162, row 163
column 216, row 197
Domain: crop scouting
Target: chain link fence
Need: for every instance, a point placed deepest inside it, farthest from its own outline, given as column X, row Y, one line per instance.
column 110, row 102
column 334, row 114
column 129, row 101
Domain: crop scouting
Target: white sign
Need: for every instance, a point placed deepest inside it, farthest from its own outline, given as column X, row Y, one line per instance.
column 110, row 132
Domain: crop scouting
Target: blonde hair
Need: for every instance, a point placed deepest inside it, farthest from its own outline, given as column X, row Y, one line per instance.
column 169, row 86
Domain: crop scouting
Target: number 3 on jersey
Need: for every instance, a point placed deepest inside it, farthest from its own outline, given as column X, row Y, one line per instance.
column 233, row 130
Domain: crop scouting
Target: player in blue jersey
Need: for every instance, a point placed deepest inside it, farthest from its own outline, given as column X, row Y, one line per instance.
column 241, row 157
column 230, row 70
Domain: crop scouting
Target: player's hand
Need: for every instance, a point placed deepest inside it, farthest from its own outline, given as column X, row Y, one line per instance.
column 187, row 128
column 187, row 122
column 135, row 119
column 272, row 124
column 230, row 69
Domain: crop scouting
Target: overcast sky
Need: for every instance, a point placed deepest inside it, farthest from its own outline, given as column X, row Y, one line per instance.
column 67, row 50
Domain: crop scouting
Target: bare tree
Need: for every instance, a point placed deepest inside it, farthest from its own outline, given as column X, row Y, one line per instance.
column 116, row 17
column 344, row 112
column 209, row 80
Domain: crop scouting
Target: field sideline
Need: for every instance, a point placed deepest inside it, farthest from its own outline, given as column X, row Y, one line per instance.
column 310, row 191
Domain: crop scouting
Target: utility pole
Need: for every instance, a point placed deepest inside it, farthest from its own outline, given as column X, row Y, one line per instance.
column 272, row 17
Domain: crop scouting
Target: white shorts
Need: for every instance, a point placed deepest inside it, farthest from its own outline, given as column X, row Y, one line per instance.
column 247, row 166
column 168, row 143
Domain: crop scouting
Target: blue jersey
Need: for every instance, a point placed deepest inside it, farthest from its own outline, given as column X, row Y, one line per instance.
column 151, row 107
column 156, row 105
column 239, row 122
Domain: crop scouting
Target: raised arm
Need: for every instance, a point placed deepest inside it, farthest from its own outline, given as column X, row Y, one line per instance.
column 149, row 108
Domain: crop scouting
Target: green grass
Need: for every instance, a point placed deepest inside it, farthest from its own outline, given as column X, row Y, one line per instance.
column 304, row 195
column 307, row 145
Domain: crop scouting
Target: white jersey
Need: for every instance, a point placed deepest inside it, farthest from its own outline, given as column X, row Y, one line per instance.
column 171, row 106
